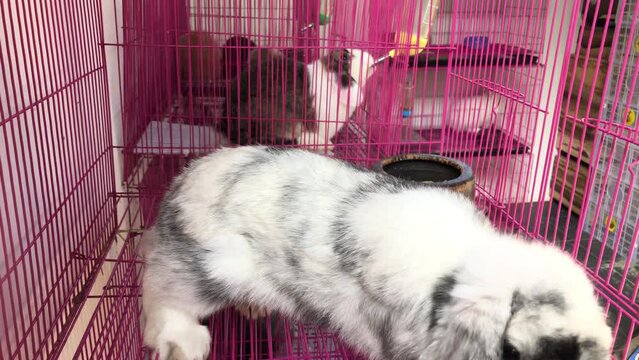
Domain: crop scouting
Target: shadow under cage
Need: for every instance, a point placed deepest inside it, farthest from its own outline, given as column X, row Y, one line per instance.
column 104, row 103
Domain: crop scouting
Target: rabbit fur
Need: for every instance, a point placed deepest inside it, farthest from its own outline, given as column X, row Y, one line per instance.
column 469, row 113
column 400, row 271
column 280, row 100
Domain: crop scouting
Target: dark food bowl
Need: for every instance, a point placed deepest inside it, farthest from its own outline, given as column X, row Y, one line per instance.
column 431, row 170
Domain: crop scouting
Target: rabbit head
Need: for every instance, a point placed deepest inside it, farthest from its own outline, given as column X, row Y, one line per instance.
column 530, row 302
column 361, row 66
column 354, row 66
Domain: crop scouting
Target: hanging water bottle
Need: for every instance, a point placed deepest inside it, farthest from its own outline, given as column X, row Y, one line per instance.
column 409, row 92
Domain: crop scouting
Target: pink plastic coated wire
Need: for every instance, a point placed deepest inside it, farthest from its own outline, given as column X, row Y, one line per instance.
column 498, row 105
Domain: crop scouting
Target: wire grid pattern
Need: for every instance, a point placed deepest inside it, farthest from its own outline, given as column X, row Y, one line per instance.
column 613, row 200
column 627, row 13
column 603, row 238
column 509, row 92
column 495, row 112
column 622, row 99
column 272, row 25
column 57, row 214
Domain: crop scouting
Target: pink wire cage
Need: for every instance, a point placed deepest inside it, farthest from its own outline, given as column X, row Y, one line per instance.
column 104, row 102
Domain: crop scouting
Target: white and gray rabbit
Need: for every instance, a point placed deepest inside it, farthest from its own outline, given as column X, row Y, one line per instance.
column 279, row 100
column 465, row 113
column 398, row 270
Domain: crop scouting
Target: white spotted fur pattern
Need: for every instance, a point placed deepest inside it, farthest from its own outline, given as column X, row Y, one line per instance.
column 397, row 270
column 335, row 104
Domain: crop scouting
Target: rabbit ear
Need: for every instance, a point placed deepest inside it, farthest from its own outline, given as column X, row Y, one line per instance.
column 471, row 325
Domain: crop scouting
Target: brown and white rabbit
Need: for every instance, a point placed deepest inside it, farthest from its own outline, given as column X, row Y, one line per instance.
column 398, row 270
column 278, row 100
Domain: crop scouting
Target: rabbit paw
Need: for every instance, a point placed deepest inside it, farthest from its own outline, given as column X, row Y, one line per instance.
column 175, row 335
column 192, row 344
column 251, row 312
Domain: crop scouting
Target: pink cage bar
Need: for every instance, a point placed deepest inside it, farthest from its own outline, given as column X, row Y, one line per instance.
column 104, row 102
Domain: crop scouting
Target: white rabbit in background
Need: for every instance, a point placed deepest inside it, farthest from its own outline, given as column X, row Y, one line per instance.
column 400, row 271
column 465, row 113
column 337, row 93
